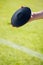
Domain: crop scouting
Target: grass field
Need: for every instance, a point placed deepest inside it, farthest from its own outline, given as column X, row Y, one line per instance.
column 30, row 35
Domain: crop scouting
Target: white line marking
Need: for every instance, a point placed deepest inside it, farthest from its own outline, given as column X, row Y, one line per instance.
column 22, row 48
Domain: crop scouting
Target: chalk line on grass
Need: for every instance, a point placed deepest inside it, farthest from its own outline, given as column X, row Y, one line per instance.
column 21, row 48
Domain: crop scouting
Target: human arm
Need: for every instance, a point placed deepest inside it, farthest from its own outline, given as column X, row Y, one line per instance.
column 36, row 15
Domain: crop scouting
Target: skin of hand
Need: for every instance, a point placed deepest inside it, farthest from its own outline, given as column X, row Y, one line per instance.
column 36, row 15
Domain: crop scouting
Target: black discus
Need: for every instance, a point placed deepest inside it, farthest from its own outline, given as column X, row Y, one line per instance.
column 21, row 16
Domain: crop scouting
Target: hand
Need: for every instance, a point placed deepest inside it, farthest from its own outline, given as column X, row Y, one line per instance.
column 36, row 15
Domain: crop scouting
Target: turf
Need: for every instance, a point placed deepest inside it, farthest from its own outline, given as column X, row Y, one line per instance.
column 29, row 35
column 10, row 56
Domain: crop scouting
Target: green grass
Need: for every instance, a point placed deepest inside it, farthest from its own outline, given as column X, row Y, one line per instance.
column 10, row 56
column 29, row 35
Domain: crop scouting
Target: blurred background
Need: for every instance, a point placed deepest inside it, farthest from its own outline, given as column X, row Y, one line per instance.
column 30, row 35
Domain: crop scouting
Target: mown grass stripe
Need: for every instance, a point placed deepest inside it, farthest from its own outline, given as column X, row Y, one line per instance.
column 22, row 48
